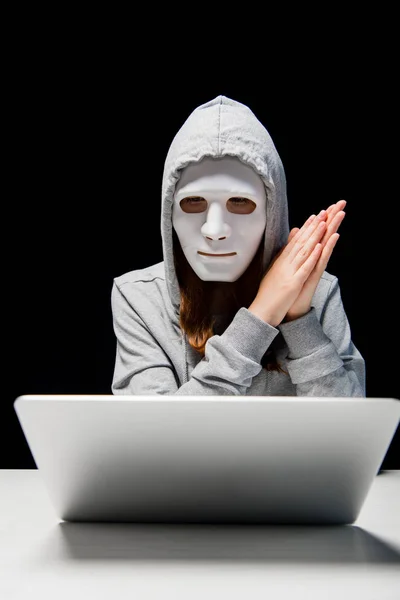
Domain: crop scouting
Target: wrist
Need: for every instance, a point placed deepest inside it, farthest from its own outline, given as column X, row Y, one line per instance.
column 264, row 314
column 293, row 315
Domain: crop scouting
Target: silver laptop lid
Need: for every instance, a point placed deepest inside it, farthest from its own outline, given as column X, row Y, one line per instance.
column 207, row 459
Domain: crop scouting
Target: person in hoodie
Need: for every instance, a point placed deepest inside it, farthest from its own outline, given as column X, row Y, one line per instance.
column 239, row 305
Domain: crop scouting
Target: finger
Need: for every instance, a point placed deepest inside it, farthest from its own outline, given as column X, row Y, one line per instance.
column 280, row 252
column 333, row 209
column 289, row 246
column 309, row 225
column 333, row 226
column 333, row 217
column 304, row 245
column 304, row 232
column 326, row 254
column 309, row 264
column 341, row 204
column 293, row 233
column 330, row 209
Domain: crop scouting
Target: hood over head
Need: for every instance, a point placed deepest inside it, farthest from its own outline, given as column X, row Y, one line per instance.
column 218, row 128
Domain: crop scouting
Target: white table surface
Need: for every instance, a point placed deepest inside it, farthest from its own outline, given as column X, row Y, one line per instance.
column 42, row 556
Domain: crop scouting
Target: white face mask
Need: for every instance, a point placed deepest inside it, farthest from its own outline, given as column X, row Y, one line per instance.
column 219, row 215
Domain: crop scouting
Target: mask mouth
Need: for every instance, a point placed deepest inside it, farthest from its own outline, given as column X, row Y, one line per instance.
column 208, row 254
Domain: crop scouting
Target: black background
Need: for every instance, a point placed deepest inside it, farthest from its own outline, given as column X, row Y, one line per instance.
column 91, row 116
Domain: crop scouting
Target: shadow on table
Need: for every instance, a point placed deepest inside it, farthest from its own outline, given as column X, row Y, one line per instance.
column 344, row 544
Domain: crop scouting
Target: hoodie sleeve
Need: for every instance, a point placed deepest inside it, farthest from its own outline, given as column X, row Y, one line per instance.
column 143, row 367
column 322, row 359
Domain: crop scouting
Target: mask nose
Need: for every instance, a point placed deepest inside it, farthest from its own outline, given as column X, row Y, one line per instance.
column 215, row 227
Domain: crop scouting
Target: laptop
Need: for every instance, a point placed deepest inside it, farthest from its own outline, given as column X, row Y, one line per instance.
column 208, row 459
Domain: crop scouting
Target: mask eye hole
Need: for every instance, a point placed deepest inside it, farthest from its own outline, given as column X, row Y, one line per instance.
column 193, row 204
column 240, row 205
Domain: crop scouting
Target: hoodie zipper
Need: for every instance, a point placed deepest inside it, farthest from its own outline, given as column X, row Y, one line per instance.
column 185, row 359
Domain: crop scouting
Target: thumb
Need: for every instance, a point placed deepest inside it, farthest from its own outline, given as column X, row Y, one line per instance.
column 293, row 233
column 290, row 237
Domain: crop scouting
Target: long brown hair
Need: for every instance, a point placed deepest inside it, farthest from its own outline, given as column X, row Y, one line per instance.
column 197, row 297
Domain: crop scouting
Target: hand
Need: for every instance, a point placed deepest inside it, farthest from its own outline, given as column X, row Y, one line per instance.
column 287, row 274
column 333, row 217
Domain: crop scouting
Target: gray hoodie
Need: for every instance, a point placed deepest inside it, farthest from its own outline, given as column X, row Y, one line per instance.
column 153, row 355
